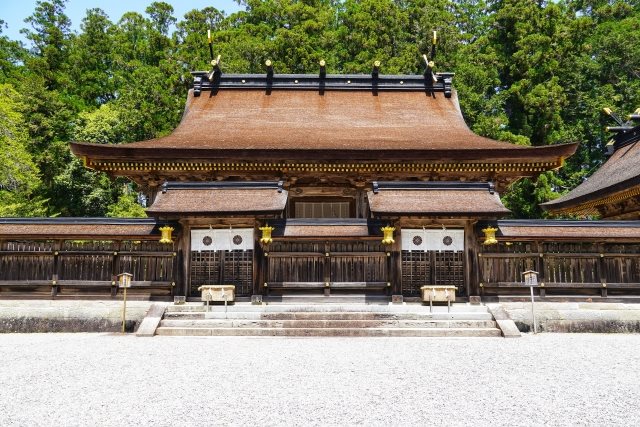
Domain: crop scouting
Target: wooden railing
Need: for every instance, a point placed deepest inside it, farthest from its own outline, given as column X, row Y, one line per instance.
column 86, row 268
column 566, row 268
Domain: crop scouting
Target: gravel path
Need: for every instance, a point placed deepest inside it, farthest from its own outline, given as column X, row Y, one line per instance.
column 111, row 380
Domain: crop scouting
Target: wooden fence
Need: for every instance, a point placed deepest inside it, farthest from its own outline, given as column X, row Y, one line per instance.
column 86, row 268
column 564, row 268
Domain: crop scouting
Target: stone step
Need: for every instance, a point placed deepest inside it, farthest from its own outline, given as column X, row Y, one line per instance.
column 331, row 332
column 369, row 308
column 328, row 299
column 329, row 315
column 327, row 324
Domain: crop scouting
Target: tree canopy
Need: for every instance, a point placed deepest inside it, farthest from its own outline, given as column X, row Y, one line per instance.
column 529, row 72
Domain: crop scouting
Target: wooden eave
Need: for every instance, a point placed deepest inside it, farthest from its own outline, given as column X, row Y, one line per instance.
column 121, row 160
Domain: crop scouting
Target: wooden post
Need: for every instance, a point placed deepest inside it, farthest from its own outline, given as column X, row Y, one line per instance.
column 602, row 273
column 327, row 268
column 472, row 272
column 185, row 265
column 257, row 264
column 540, row 261
column 395, row 262
column 57, row 246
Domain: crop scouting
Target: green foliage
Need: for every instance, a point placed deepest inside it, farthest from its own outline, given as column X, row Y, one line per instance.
column 102, row 126
column 126, row 207
column 528, row 72
column 18, row 173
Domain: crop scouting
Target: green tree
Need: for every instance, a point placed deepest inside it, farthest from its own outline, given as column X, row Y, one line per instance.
column 18, row 173
column 50, row 35
column 91, row 60
column 126, row 206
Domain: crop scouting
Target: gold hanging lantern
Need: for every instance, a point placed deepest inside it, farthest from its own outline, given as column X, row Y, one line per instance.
column 387, row 238
column 266, row 234
column 166, row 234
column 490, row 236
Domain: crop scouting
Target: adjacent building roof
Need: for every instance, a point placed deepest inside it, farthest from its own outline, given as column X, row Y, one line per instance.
column 220, row 198
column 78, row 228
column 615, row 181
column 295, row 122
column 436, row 198
column 568, row 230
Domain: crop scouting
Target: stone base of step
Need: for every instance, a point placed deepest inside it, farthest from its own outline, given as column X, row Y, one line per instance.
column 324, row 308
column 331, row 332
column 328, row 316
column 327, row 299
column 328, row 324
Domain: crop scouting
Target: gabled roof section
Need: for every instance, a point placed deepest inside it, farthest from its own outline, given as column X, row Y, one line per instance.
column 436, row 198
column 232, row 198
column 309, row 116
column 616, row 180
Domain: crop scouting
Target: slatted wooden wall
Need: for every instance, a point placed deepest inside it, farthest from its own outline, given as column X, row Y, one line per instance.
column 564, row 267
column 83, row 267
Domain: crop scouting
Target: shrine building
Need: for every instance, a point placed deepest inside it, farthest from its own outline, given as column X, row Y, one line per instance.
column 329, row 185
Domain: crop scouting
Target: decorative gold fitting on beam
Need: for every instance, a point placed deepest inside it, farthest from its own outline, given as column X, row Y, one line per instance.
column 166, row 234
column 266, row 235
column 387, row 238
column 489, row 236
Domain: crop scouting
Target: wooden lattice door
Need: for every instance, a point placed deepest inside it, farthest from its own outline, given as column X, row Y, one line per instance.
column 222, row 268
column 421, row 268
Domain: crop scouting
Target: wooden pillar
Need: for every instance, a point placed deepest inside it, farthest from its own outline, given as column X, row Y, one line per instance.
column 327, row 268
column 472, row 249
column 184, row 287
column 257, row 263
column 395, row 271
column 602, row 272
column 57, row 247
column 540, row 269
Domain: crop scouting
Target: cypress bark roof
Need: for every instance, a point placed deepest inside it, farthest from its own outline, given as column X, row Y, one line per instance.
column 447, row 199
column 78, row 228
column 344, row 120
column 567, row 230
column 222, row 198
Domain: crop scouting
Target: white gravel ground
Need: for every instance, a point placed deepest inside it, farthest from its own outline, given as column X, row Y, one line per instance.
column 111, row 380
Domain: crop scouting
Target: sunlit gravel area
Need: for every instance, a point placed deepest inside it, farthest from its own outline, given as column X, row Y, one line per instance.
column 112, row 380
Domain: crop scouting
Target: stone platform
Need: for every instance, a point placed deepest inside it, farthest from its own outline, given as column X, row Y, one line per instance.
column 337, row 319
